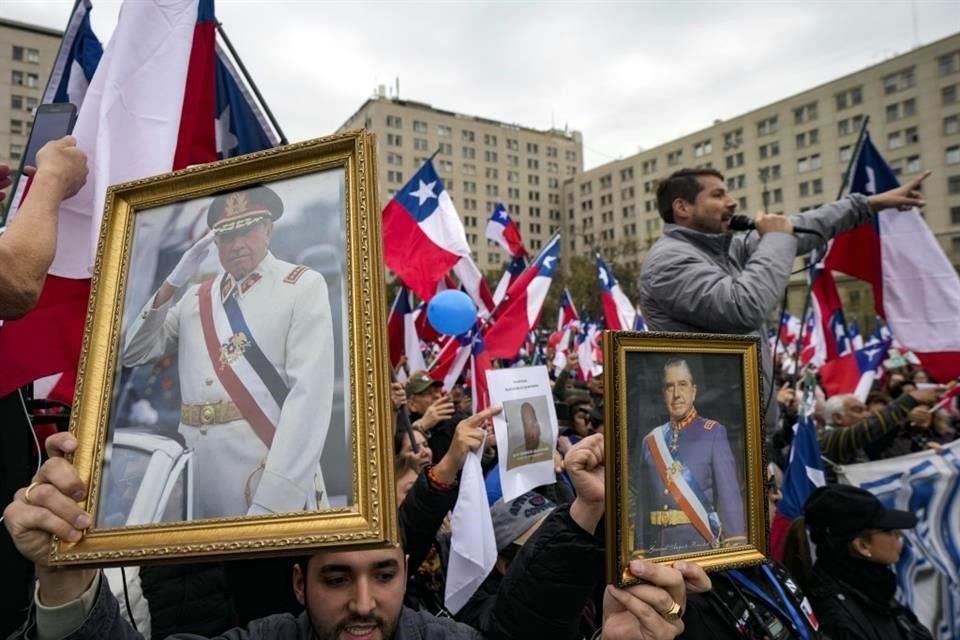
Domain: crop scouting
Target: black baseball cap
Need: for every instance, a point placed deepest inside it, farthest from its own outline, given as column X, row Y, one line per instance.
column 841, row 512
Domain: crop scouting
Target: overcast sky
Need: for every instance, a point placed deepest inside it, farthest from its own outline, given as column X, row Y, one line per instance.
column 626, row 74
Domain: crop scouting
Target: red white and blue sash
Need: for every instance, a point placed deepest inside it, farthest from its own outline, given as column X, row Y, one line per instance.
column 684, row 488
column 248, row 377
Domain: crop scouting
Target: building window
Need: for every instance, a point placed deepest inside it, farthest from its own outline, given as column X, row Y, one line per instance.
column 16, row 102
column 948, row 95
column 469, row 153
column 777, row 195
column 900, row 110
column 553, row 167
column 395, row 122
column 467, row 136
column 444, row 132
column 732, row 139
column 513, row 192
column 445, row 148
column 571, row 155
column 946, row 64
column 513, row 176
column 394, row 140
column 736, row 160
column 808, row 163
column 533, row 147
column 626, row 194
column 492, row 173
column 533, row 164
column 675, row 157
column 951, row 124
column 513, row 160
column 30, row 103
column 535, row 213
column 898, row 81
column 849, row 98
column 626, row 174
column 953, row 154
column 701, row 149
column 770, row 173
column 445, row 166
column 806, row 113
column 554, row 183
column 533, row 179
column 812, row 187
column 394, row 158
column 469, row 169
column 469, row 187
column 493, row 191
column 16, row 127
column 913, row 163
column 489, row 140
column 846, row 152
column 16, row 78
column 736, row 182
column 26, row 54
column 606, row 181
column 420, row 144
column 16, row 150
column 955, row 215
column 953, row 185
column 571, row 171
column 895, row 140
column 767, row 126
column 808, row 138
column 490, row 156
column 512, row 144
column 419, row 126
column 849, row 125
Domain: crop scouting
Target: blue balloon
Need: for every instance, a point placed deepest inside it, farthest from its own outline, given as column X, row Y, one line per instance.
column 451, row 312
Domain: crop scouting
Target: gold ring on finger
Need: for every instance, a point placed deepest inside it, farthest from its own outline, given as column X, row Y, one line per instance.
column 673, row 614
column 26, row 494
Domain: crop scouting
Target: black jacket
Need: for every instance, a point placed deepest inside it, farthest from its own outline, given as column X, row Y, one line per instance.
column 548, row 584
column 421, row 515
column 848, row 614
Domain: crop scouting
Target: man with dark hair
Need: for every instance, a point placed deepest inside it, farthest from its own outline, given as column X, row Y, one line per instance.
column 700, row 277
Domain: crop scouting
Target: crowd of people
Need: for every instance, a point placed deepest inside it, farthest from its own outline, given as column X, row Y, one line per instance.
column 548, row 580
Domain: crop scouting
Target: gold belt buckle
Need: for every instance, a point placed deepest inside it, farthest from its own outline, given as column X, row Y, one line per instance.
column 208, row 415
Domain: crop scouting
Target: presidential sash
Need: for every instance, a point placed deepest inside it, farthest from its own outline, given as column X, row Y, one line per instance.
column 684, row 488
column 248, row 377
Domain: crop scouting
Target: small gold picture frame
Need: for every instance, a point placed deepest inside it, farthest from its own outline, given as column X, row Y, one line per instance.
column 684, row 450
column 233, row 392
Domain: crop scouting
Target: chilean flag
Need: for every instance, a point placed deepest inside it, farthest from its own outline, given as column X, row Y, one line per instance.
column 519, row 313
column 502, row 230
column 830, row 325
column 402, row 333
column 619, row 314
column 149, row 109
column 640, row 324
column 480, row 364
column 804, row 472
column 423, row 238
column 450, row 362
column 854, row 372
column 568, row 312
column 514, row 268
column 915, row 288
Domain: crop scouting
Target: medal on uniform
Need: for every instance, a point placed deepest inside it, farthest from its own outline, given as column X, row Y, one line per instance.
column 232, row 349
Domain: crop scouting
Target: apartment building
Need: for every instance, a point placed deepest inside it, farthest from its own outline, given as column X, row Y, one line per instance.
column 795, row 151
column 481, row 162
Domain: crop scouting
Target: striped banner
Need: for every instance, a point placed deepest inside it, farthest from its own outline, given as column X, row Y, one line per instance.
column 928, row 574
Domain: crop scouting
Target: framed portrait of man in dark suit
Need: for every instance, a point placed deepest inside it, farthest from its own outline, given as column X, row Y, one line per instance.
column 685, row 449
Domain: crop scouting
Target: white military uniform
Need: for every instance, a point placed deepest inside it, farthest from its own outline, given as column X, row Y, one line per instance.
column 287, row 311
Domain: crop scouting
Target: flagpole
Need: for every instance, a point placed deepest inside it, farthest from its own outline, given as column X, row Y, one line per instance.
column 253, row 85
column 813, row 259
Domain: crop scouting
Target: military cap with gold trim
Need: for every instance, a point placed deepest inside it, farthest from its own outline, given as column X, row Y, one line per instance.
column 232, row 212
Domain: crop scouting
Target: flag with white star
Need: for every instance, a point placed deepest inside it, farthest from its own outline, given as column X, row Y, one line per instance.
column 423, row 237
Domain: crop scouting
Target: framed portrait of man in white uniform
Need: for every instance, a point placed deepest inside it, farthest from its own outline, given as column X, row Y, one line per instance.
column 233, row 395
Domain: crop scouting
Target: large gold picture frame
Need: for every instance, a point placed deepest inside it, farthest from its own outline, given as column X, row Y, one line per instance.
column 684, row 450
column 328, row 234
